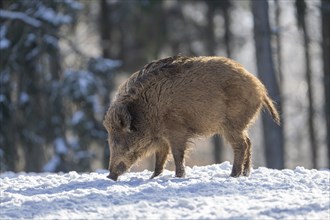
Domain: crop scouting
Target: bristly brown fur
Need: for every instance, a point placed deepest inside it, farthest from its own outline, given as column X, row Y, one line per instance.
column 269, row 105
column 171, row 100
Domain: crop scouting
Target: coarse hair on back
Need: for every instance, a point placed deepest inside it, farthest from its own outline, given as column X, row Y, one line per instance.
column 142, row 79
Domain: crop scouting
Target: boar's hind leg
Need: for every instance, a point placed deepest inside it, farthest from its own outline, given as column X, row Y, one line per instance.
column 161, row 157
column 247, row 159
column 239, row 145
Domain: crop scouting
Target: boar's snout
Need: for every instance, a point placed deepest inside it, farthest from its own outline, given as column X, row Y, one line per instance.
column 113, row 176
column 117, row 171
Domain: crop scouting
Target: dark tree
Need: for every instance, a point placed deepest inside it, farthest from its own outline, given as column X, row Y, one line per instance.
column 210, row 48
column 211, row 43
column 278, row 41
column 51, row 114
column 301, row 14
column 105, row 28
column 30, row 30
column 273, row 134
column 325, row 13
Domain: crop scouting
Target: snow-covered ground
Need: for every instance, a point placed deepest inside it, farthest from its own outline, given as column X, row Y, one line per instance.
column 206, row 193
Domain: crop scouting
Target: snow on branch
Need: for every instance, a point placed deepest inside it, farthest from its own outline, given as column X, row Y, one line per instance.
column 20, row 16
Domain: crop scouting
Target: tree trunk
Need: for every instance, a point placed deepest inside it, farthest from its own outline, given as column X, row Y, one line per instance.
column 210, row 46
column 32, row 140
column 278, row 42
column 273, row 134
column 325, row 13
column 57, row 110
column 105, row 28
column 227, row 37
column 313, row 142
column 8, row 140
column 280, row 75
column 105, row 24
column 301, row 12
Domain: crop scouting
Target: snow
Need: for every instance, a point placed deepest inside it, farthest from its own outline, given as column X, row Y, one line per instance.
column 4, row 43
column 24, row 98
column 2, row 98
column 83, row 80
column 74, row 5
column 60, row 146
column 205, row 193
column 30, row 39
column 51, row 40
column 20, row 16
column 77, row 117
column 51, row 165
column 106, row 65
column 49, row 15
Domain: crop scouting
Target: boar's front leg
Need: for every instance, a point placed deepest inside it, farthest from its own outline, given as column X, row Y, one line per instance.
column 161, row 157
column 178, row 150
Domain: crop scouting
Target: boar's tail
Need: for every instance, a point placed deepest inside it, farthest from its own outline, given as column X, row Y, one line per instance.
column 269, row 104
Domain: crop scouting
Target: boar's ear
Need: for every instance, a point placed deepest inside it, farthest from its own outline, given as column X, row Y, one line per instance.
column 122, row 117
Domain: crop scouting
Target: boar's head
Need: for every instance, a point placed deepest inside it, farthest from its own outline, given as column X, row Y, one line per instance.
column 126, row 142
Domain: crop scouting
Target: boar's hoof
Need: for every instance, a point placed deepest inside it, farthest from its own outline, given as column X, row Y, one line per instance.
column 246, row 173
column 113, row 176
column 235, row 173
column 155, row 174
column 180, row 174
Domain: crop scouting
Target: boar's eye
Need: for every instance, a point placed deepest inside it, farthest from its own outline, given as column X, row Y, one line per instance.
column 133, row 128
column 114, row 140
column 133, row 125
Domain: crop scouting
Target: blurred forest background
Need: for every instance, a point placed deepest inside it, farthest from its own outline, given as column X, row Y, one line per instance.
column 62, row 60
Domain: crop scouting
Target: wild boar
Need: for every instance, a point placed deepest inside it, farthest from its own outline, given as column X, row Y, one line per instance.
column 172, row 100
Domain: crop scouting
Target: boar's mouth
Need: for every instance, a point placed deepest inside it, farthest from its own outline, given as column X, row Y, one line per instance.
column 113, row 176
column 119, row 169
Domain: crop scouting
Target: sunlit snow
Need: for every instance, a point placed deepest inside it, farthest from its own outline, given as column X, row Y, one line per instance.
column 205, row 193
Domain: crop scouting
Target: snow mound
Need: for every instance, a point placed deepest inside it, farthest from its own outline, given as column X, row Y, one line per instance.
column 206, row 193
